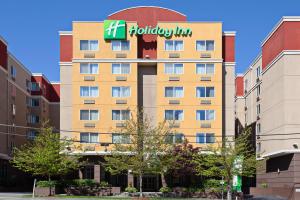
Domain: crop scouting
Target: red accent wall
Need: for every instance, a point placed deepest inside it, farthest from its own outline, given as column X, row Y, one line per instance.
column 286, row 37
column 3, row 55
column 148, row 16
column 239, row 86
column 50, row 91
column 228, row 45
column 66, row 48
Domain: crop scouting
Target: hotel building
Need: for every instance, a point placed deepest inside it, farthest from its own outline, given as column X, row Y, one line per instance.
column 26, row 100
column 268, row 100
column 149, row 57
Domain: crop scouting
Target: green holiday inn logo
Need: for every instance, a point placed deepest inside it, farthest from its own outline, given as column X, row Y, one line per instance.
column 114, row 30
column 117, row 30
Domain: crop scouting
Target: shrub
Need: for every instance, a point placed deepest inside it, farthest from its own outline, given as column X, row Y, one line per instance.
column 130, row 189
column 213, row 183
column 165, row 189
column 46, row 183
column 85, row 182
column 104, row 184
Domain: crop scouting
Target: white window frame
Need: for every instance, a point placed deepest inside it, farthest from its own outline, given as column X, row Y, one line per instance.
column 174, row 115
column 205, row 138
column 173, row 49
column 205, row 87
column 89, row 140
column 173, row 68
column 89, row 96
column 206, row 115
column 120, row 66
column 121, row 115
column 121, row 87
column 205, row 67
column 89, row 44
column 89, row 115
column 174, row 91
column 205, row 45
column 89, row 67
column 120, row 45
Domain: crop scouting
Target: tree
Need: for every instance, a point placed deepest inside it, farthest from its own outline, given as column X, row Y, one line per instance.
column 45, row 156
column 142, row 149
column 221, row 161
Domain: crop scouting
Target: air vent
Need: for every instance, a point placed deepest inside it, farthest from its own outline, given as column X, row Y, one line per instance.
column 206, row 78
column 174, row 78
column 89, row 55
column 205, row 125
column 121, row 101
column 174, row 55
column 206, row 102
column 121, row 78
column 174, row 102
column 89, row 78
column 121, row 55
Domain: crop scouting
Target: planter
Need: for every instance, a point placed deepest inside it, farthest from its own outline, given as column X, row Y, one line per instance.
column 115, row 190
column 44, row 191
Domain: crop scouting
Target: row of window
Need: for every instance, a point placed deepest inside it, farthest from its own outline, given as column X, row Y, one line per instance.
column 170, row 68
column 201, row 138
column 170, row 45
column 125, row 91
column 177, row 115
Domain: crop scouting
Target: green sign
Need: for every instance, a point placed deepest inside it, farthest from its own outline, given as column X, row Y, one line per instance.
column 114, row 30
column 237, row 183
column 163, row 32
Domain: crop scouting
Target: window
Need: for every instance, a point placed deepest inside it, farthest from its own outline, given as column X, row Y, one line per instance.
column 205, row 115
column 176, row 138
column 28, row 85
column 173, row 45
column 31, row 134
column 88, row 137
column 89, row 45
column 205, row 45
column 89, row 91
column 258, row 90
column 88, row 68
column 173, row 68
column 33, row 119
column 89, row 115
column 33, row 102
column 258, row 128
column 174, row 92
column 205, row 138
column 120, row 115
column 205, row 92
column 123, row 91
column 258, row 147
column 13, row 72
column 118, row 45
column 120, row 68
column 258, row 71
column 207, row 69
column 120, row 139
column 258, row 109
column 14, row 109
column 246, row 84
column 174, row 114
column 88, row 172
column 35, row 86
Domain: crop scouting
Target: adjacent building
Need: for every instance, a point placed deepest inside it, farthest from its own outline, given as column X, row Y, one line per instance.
column 150, row 57
column 268, row 100
column 26, row 101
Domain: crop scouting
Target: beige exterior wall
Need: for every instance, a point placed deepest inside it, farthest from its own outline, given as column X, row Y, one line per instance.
column 154, row 87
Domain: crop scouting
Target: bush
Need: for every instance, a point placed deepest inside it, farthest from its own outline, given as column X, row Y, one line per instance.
column 104, row 184
column 84, row 182
column 165, row 189
column 130, row 189
column 213, row 183
column 46, row 183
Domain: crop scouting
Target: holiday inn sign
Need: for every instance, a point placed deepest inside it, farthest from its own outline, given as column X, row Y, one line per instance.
column 116, row 30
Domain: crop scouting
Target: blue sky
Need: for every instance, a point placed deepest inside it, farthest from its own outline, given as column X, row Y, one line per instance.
column 31, row 27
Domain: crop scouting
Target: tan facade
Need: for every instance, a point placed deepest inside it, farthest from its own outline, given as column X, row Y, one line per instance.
column 148, row 82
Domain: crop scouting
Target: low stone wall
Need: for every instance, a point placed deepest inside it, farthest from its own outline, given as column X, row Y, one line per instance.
column 43, row 191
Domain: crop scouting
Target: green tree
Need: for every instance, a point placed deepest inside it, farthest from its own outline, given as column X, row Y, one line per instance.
column 221, row 161
column 46, row 155
column 142, row 149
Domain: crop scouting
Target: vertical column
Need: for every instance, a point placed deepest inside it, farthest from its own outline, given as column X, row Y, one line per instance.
column 97, row 171
column 80, row 174
column 130, row 179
